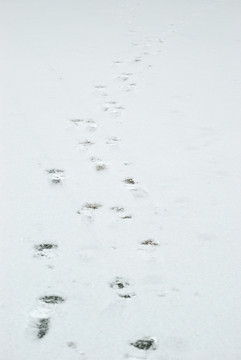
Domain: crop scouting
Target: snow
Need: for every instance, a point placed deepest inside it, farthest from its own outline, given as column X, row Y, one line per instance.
column 120, row 129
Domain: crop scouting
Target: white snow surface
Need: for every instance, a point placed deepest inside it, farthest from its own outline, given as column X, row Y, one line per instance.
column 106, row 91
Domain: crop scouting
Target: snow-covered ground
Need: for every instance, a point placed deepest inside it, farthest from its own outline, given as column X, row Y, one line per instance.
column 120, row 207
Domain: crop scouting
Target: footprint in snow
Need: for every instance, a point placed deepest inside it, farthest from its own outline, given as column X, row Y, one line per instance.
column 72, row 345
column 99, row 164
column 134, row 188
column 120, row 210
column 137, row 59
column 40, row 317
column 113, row 108
column 88, row 124
column 56, row 175
column 117, row 209
column 126, row 217
column 85, row 144
column 125, row 76
column 88, row 210
column 112, row 141
column 128, row 87
column 100, row 87
column 149, row 242
column 121, row 284
column 46, row 250
column 145, row 343
column 76, row 122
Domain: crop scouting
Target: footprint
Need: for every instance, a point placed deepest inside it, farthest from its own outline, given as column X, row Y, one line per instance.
column 126, row 217
column 112, row 141
column 100, row 87
column 129, row 87
column 84, row 145
column 72, row 345
column 76, row 122
column 117, row 209
column 136, row 191
column 56, row 175
column 121, row 210
column 125, row 76
column 40, row 317
column 89, row 124
column 119, row 283
column 113, row 108
column 45, row 250
column 42, row 327
column 127, row 296
column 150, row 242
column 129, row 181
column 146, row 343
column 100, row 166
column 52, row 299
column 88, row 209
column 92, row 206
column 94, row 159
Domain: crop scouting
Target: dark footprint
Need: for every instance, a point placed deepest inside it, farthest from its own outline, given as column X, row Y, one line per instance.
column 55, row 171
column 126, row 217
column 45, row 250
column 52, row 299
column 150, row 242
column 127, row 296
column 119, row 283
column 92, row 206
column 145, row 344
column 129, row 181
column 42, row 327
column 56, row 180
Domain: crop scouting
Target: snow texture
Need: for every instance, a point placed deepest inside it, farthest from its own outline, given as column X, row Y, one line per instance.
column 120, row 204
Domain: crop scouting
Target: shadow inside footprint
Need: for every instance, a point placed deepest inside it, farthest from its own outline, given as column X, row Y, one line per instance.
column 145, row 344
column 150, row 242
column 55, row 171
column 117, row 209
column 100, row 166
column 52, row 299
column 42, row 247
column 126, row 296
column 57, row 175
column 45, row 250
column 42, row 327
column 119, row 283
column 129, row 181
column 126, row 217
column 93, row 206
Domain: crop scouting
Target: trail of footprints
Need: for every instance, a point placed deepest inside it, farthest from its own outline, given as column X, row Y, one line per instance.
column 124, row 288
